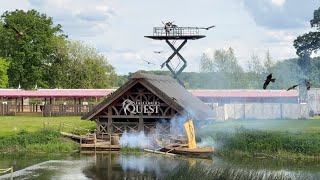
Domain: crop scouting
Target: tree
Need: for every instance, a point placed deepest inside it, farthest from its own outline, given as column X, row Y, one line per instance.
column 3, row 73
column 206, row 64
column 268, row 62
column 225, row 61
column 86, row 68
column 254, row 65
column 25, row 39
column 309, row 42
column 228, row 72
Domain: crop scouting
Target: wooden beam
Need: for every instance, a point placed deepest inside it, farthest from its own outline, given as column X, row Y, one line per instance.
column 22, row 104
column 135, row 116
column 141, row 124
column 109, row 121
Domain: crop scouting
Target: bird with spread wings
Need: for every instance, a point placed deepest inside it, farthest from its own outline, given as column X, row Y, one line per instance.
column 268, row 80
column 206, row 28
column 292, row 87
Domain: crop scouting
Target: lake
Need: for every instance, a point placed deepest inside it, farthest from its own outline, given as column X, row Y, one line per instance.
column 114, row 166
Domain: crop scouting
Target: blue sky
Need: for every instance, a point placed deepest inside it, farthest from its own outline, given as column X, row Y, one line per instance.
column 117, row 27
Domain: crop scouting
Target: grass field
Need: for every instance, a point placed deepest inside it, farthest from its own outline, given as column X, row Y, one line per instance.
column 291, row 125
column 289, row 139
column 14, row 124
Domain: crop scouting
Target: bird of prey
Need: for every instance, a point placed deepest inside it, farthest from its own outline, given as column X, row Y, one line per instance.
column 149, row 62
column 308, row 84
column 15, row 29
column 158, row 52
column 206, row 28
column 267, row 81
column 293, row 87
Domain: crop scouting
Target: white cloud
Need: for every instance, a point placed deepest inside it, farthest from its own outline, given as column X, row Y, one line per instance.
column 278, row 3
column 117, row 28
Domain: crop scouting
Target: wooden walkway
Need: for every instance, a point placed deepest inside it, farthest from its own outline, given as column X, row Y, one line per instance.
column 88, row 142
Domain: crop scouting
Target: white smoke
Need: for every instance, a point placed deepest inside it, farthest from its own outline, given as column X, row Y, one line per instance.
column 136, row 140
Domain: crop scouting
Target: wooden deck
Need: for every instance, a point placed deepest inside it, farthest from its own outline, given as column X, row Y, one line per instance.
column 89, row 143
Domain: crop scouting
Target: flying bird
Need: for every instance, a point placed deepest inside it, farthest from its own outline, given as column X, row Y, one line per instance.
column 207, row 28
column 149, row 62
column 267, row 81
column 158, row 52
column 308, row 84
column 293, row 87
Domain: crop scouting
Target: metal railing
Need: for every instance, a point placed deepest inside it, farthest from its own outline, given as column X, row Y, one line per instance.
column 2, row 171
column 176, row 31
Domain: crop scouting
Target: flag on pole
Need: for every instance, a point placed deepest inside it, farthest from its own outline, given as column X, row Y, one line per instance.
column 190, row 134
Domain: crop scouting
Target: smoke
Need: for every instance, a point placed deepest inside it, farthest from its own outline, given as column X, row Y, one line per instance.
column 136, row 140
column 147, row 164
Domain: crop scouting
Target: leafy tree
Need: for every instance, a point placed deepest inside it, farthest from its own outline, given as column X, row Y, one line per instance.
column 57, row 64
column 206, row 64
column 309, row 42
column 254, row 65
column 86, row 68
column 225, row 61
column 25, row 39
column 3, row 73
column 268, row 62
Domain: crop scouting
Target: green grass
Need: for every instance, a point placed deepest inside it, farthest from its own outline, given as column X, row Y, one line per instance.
column 292, row 125
column 44, row 140
column 288, row 139
column 128, row 150
column 13, row 124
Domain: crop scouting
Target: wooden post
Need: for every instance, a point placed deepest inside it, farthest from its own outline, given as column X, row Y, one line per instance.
column 16, row 103
column 11, row 172
column 22, row 104
column 95, row 140
column 141, row 124
column 109, row 121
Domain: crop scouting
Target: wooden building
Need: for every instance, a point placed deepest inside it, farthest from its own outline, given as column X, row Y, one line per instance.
column 142, row 102
column 50, row 102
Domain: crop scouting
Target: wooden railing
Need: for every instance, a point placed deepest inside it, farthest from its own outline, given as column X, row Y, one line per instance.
column 62, row 127
column 45, row 110
column 2, row 171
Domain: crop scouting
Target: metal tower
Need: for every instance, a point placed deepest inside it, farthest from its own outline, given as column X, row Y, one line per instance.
column 174, row 33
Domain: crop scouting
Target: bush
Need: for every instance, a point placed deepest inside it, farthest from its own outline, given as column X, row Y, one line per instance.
column 44, row 140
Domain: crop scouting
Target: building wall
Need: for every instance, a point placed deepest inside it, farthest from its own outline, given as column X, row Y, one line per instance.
column 314, row 100
column 262, row 111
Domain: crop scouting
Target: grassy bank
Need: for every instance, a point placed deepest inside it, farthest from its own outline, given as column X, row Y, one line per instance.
column 10, row 125
column 266, row 143
column 44, row 140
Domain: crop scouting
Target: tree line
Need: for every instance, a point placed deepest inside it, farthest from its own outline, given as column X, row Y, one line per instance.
column 36, row 53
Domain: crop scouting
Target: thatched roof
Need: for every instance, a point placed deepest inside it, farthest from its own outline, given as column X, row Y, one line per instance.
column 167, row 89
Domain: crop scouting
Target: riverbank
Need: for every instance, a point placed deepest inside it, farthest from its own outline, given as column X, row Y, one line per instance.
column 27, row 134
column 261, row 143
column 45, row 140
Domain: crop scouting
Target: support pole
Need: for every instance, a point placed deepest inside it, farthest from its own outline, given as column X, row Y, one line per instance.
column 176, row 52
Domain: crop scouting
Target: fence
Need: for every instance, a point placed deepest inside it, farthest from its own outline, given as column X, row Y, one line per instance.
column 46, row 110
column 62, row 127
column 2, row 171
column 261, row 111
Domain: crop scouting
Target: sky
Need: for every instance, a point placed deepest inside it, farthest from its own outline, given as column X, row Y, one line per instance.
column 116, row 28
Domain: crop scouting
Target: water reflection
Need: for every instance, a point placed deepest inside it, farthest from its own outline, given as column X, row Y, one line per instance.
column 148, row 166
column 121, row 166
